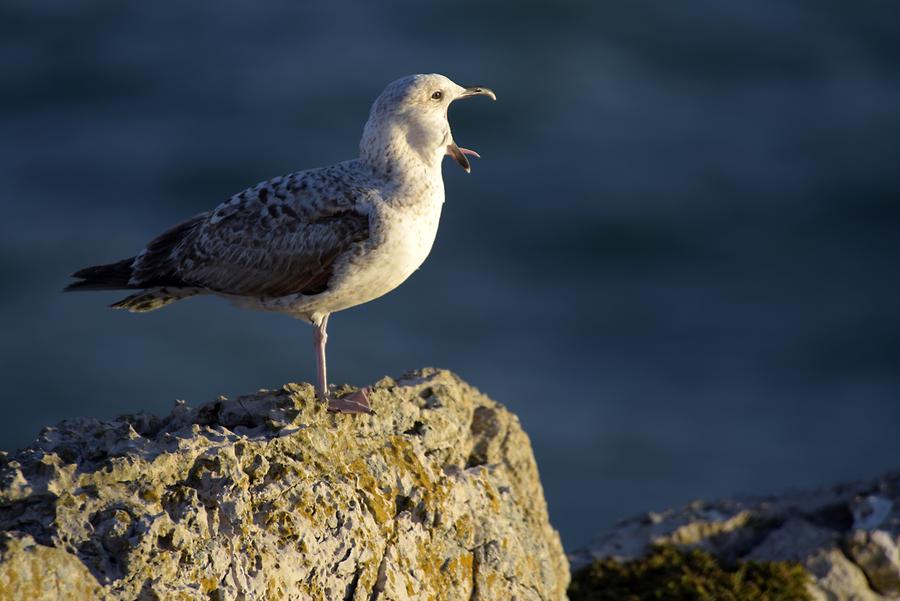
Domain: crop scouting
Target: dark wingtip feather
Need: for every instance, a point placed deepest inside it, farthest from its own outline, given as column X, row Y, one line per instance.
column 87, row 285
column 75, row 286
column 114, row 276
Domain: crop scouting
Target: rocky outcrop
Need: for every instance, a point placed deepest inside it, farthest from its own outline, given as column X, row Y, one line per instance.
column 268, row 496
column 846, row 537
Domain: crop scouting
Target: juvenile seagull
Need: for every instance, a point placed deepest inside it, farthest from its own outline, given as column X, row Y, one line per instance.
column 317, row 241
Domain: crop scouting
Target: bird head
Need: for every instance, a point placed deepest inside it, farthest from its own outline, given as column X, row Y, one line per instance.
column 410, row 115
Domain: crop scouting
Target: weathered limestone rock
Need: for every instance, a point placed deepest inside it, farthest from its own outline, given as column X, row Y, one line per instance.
column 847, row 537
column 267, row 496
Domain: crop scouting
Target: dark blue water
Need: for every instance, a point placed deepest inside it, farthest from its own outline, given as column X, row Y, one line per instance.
column 677, row 260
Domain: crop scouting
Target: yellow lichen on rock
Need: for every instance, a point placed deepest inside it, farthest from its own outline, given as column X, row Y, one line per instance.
column 436, row 496
column 40, row 573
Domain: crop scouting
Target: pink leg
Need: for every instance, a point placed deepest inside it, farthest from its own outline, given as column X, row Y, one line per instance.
column 320, row 338
column 356, row 402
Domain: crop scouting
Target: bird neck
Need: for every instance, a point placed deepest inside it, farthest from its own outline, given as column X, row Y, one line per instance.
column 389, row 152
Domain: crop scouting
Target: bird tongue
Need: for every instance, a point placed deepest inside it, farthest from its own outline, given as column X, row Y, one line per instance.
column 459, row 155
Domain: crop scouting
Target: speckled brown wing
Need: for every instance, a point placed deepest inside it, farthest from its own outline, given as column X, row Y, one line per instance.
column 257, row 245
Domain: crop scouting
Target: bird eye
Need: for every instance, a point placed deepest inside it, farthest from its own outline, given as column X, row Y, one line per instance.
column 437, row 95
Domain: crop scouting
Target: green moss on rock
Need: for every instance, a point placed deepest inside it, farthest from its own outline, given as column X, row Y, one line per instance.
column 675, row 575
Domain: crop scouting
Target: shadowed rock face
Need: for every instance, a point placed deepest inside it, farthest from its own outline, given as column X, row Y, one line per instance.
column 270, row 497
column 847, row 537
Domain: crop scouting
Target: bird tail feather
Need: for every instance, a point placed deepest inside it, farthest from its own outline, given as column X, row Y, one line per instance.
column 113, row 276
column 153, row 298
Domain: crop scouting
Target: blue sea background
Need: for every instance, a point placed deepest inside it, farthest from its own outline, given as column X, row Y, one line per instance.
column 677, row 261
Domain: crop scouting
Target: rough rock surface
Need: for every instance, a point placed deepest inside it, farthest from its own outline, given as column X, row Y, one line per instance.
column 267, row 496
column 847, row 537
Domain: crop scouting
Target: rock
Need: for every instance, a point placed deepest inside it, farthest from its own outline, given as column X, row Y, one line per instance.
column 268, row 496
column 40, row 573
column 876, row 553
column 846, row 536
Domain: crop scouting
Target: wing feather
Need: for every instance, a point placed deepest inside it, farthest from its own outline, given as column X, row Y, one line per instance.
column 276, row 239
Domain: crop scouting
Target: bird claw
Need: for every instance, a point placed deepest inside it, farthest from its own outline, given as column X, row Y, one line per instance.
column 355, row 402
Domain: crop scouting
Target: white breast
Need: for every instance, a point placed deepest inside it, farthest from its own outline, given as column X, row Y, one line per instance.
column 401, row 242
column 400, row 239
column 408, row 237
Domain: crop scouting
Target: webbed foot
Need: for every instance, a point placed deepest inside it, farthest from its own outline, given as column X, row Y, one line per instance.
column 355, row 402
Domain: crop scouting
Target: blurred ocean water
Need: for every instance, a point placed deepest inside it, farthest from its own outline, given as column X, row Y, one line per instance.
column 677, row 260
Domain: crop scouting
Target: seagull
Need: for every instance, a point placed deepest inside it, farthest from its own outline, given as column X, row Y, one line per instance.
column 317, row 241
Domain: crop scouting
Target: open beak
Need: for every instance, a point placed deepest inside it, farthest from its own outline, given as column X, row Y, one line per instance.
column 478, row 91
column 459, row 154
